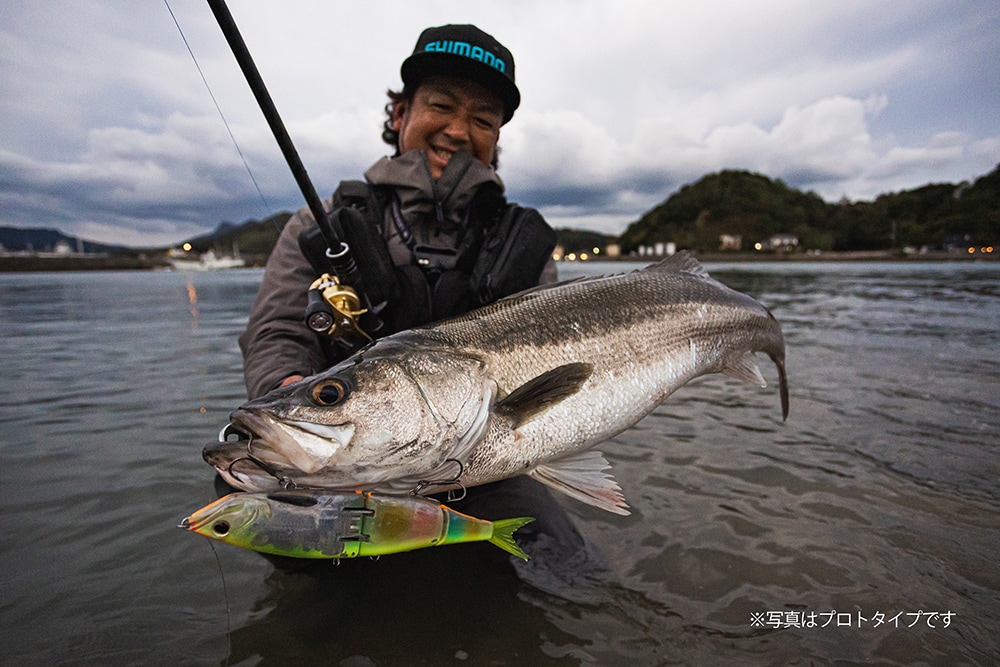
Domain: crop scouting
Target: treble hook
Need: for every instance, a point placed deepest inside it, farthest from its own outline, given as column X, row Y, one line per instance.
column 455, row 480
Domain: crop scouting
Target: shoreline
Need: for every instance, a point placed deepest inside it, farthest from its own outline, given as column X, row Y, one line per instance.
column 97, row 262
column 143, row 262
column 801, row 257
column 850, row 256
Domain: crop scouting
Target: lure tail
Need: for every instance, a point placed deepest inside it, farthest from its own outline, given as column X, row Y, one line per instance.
column 503, row 535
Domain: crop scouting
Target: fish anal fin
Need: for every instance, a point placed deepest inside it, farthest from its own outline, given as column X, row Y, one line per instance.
column 746, row 369
column 542, row 392
column 582, row 477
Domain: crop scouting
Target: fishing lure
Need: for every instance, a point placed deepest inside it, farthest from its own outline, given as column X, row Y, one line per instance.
column 326, row 524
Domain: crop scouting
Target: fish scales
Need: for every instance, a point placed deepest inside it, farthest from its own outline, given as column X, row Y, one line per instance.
column 646, row 333
column 524, row 386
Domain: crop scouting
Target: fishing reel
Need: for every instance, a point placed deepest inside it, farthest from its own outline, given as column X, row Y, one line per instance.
column 333, row 309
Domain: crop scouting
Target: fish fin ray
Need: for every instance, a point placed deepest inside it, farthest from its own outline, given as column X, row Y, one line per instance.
column 542, row 392
column 782, row 385
column 746, row 369
column 582, row 477
column 503, row 535
column 680, row 261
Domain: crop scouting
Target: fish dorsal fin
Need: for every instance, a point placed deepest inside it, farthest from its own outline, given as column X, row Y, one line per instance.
column 582, row 476
column 542, row 392
column 746, row 369
column 681, row 261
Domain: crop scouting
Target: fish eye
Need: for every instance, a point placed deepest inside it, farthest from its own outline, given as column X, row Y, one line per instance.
column 221, row 528
column 329, row 392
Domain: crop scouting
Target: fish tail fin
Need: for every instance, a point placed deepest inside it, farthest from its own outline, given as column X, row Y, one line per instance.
column 782, row 385
column 503, row 535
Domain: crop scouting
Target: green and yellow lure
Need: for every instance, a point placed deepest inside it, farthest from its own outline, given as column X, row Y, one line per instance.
column 327, row 524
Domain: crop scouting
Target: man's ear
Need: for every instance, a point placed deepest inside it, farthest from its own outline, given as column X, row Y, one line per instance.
column 398, row 111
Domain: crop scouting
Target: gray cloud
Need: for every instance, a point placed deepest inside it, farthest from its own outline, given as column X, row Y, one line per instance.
column 109, row 132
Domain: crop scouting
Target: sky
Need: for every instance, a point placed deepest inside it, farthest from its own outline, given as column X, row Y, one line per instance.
column 108, row 132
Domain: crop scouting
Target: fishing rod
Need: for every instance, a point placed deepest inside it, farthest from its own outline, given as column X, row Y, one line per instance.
column 337, row 304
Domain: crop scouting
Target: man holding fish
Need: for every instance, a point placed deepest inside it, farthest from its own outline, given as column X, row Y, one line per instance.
column 497, row 398
column 441, row 202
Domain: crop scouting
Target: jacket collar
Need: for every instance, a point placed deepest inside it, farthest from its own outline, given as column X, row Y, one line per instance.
column 445, row 199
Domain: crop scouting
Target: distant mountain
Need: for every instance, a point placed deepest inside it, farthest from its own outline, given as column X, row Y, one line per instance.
column 253, row 237
column 575, row 240
column 755, row 208
column 728, row 203
column 735, row 203
column 41, row 239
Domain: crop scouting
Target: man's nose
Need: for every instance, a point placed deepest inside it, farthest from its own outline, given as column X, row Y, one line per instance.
column 458, row 128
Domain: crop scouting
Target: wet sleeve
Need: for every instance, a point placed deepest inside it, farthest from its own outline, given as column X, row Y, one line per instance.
column 277, row 343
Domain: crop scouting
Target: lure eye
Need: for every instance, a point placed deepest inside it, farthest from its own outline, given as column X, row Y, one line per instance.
column 221, row 528
column 329, row 392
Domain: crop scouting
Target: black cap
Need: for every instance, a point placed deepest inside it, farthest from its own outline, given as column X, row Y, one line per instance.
column 468, row 52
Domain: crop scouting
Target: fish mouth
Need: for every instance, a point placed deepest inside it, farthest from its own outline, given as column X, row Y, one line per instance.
column 301, row 445
column 239, row 468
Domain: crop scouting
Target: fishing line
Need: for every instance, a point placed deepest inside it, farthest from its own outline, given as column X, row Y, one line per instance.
column 222, row 115
column 229, row 615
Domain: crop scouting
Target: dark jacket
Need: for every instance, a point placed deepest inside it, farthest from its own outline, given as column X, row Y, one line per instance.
column 277, row 343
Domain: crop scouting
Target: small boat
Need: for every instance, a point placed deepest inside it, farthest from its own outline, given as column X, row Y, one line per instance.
column 208, row 261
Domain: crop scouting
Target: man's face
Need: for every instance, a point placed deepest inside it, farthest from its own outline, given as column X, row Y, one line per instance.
column 448, row 114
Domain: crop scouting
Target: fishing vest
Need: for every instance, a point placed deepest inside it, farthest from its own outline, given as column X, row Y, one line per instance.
column 501, row 250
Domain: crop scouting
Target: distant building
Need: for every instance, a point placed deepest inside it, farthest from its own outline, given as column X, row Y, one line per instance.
column 730, row 242
column 659, row 249
column 953, row 242
column 782, row 242
column 613, row 250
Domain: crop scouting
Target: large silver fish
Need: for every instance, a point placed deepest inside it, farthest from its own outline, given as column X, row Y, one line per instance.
column 527, row 385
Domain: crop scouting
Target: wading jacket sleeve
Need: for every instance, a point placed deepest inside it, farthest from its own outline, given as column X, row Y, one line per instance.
column 277, row 343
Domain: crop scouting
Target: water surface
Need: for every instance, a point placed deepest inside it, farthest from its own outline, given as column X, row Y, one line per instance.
column 863, row 529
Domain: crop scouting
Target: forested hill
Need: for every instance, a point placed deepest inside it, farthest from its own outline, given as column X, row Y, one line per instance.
column 755, row 207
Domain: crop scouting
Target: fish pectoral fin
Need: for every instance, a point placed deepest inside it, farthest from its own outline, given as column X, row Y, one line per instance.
column 542, row 392
column 582, row 476
column 746, row 369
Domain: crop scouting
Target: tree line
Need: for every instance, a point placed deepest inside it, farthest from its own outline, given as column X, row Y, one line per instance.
column 755, row 207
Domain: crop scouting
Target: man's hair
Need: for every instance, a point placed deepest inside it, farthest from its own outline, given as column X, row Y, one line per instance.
column 391, row 136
